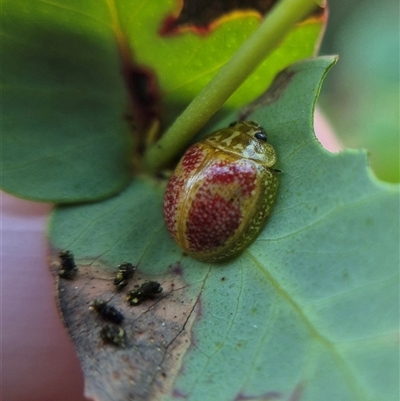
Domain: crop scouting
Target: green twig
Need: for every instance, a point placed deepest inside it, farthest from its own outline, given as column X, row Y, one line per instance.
column 275, row 26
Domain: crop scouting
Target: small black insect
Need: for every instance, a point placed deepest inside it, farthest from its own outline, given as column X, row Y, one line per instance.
column 68, row 267
column 146, row 291
column 125, row 272
column 112, row 334
column 107, row 312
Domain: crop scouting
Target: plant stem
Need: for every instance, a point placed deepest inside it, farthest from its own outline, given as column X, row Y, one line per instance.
column 254, row 50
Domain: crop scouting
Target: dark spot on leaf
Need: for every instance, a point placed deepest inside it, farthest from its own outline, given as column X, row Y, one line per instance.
column 145, row 96
column 273, row 93
column 179, row 394
column 176, row 268
column 297, row 393
column 369, row 222
column 269, row 396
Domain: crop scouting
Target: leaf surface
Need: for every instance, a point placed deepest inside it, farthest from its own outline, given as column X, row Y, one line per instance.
column 308, row 312
column 198, row 56
column 67, row 87
column 64, row 137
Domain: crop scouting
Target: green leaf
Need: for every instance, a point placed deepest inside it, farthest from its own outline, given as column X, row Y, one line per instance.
column 198, row 57
column 309, row 311
column 64, row 131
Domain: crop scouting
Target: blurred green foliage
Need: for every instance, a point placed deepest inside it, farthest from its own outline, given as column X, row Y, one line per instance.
column 361, row 94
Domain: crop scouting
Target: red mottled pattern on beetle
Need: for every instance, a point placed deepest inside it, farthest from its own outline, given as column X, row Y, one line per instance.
column 172, row 197
column 228, row 172
column 211, row 221
column 193, row 158
column 217, row 205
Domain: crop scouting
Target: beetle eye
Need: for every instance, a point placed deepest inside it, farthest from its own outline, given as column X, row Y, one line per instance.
column 261, row 135
column 233, row 124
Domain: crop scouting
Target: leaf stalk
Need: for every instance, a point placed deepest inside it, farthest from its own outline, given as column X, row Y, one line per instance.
column 254, row 50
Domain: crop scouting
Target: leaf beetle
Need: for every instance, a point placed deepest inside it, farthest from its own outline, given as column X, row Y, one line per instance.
column 222, row 192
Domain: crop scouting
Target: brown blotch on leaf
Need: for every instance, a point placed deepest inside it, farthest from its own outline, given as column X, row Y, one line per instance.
column 138, row 359
column 269, row 396
column 202, row 17
column 176, row 269
column 274, row 92
column 145, row 94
